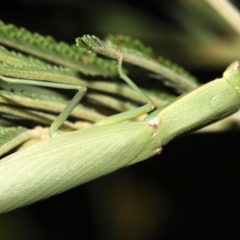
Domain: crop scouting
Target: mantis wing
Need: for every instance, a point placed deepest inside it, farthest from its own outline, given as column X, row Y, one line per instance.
column 55, row 165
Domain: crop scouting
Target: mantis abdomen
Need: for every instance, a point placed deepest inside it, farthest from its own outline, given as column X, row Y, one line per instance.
column 55, row 165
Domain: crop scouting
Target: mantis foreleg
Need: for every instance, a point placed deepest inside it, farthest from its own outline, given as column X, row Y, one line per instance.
column 149, row 106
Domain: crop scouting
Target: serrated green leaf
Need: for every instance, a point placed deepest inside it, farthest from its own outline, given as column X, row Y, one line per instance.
column 44, row 73
column 142, row 57
column 57, row 52
column 18, row 59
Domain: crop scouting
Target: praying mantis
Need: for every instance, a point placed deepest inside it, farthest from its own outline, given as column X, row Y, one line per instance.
column 74, row 158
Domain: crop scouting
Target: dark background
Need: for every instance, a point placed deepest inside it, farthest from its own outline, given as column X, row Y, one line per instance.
column 190, row 191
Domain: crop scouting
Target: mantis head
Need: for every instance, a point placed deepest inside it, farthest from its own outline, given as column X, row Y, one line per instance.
column 232, row 75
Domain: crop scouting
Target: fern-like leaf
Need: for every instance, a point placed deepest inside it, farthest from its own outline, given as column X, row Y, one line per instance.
column 135, row 53
column 57, row 52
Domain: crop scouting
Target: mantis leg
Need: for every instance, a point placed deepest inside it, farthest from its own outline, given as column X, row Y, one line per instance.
column 149, row 106
column 67, row 111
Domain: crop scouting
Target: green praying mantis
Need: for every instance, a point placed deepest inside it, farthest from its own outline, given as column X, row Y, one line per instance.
column 70, row 159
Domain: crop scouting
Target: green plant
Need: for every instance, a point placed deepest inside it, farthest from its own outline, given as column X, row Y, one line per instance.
column 78, row 61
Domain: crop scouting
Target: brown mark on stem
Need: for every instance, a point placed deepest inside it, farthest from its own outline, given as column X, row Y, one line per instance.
column 154, row 123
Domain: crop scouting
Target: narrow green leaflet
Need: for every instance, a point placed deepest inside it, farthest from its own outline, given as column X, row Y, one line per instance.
column 18, row 59
column 46, row 103
column 11, row 137
column 16, row 113
column 49, row 73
